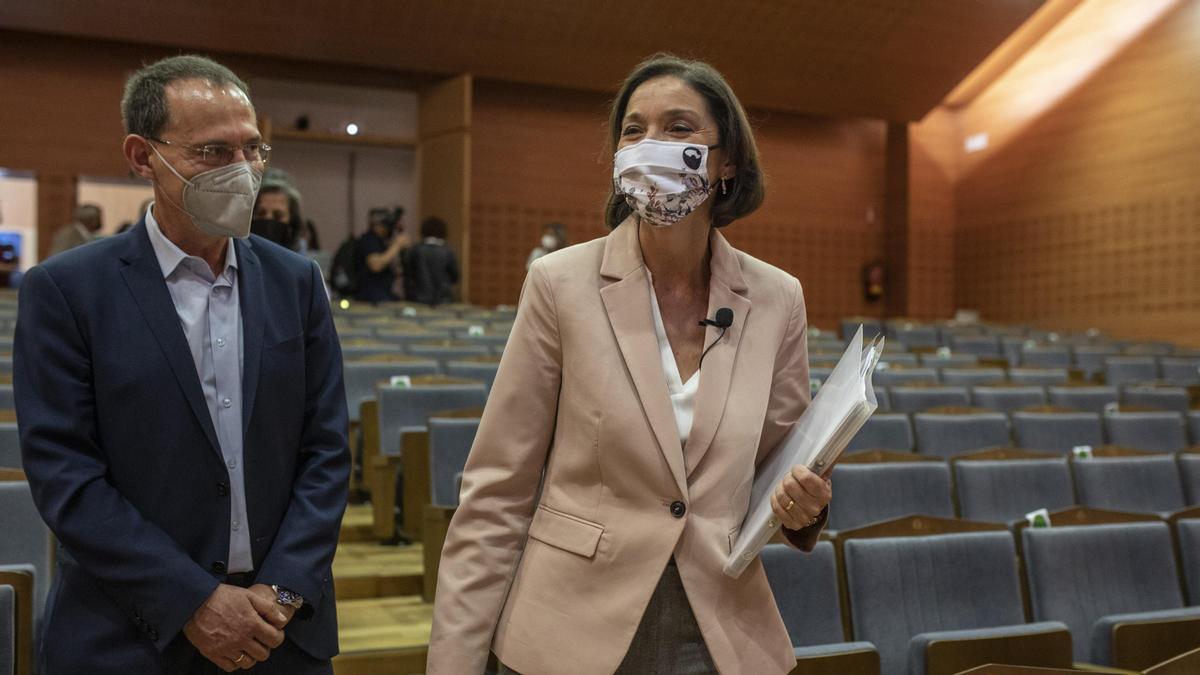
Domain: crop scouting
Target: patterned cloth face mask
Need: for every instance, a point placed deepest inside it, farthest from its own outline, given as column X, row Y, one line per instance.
column 663, row 181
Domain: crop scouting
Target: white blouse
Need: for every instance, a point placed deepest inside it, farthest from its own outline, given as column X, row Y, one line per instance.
column 683, row 394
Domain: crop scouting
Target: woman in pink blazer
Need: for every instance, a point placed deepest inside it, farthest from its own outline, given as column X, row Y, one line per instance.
column 614, row 462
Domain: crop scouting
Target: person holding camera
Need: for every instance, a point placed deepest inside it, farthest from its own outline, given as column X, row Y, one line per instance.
column 377, row 252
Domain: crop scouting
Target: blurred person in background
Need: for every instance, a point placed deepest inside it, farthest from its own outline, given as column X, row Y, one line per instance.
column 554, row 237
column 87, row 222
column 277, row 209
column 430, row 267
column 377, row 254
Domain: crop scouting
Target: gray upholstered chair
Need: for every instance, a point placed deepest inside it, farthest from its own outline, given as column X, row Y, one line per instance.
column 1138, row 484
column 1038, row 376
column 913, row 334
column 849, row 326
column 1183, row 370
column 8, row 629
column 357, row 349
column 884, row 431
column 10, row 446
column 949, row 360
column 917, row 399
column 983, row 346
column 891, row 377
column 1189, row 472
column 1003, row 491
column 1095, row 578
column 1090, row 358
column 450, row 440
column 970, row 377
column 26, row 539
column 907, row 593
column 1122, row 370
column 870, row 493
column 406, row 409
column 1042, row 356
column 484, row 371
column 1007, row 399
column 1188, row 530
column 1161, row 398
column 1151, row 431
column 1057, row 432
column 1194, row 426
column 947, row 435
column 1086, row 399
column 361, row 377
column 899, row 358
column 805, row 586
column 6, row 397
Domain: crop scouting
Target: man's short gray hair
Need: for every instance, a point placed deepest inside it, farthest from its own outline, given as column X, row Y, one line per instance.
column 87, row 212
column 144, row 105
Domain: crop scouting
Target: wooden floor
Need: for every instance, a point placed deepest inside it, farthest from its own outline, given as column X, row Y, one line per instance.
column 369, row 570
column 356, row 524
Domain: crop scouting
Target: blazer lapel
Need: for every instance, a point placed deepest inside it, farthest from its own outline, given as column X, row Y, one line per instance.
column 252, row 303
column 144, row 278
column 627, row 302
column 716, row 372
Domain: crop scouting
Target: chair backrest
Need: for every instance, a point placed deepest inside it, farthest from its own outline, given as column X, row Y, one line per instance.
column 361, row 377
column 972, row 376
column 1007, row 399
column 474, row 370
column 1090, row 358
column 1039, row 376
column 805, row 586
column 355, row 350
column 849, row 326
column 914, row 335
column 980, row 345
column 884, row 431
column 1087, row 399
column 1183, row 370
column 7, row 402
column 949, row 361
column 450, row 440
column 947, row 435
column 1153, row 431
column 916, row 399
column 1079, row 574
column 26, row 539
column 1189, row 472
column 1046, row 357
column 891, row 377
column 8, row 629
column 1057, row 432
column 1121, row 370
column 899, row 358
column 405, row 409
column 1138, row 484
column 1189, row 550
column 1194, row 426
column 1162, row 398
column 1005, row 490
column 870, row 493
column 10, row 446
column 899, row 587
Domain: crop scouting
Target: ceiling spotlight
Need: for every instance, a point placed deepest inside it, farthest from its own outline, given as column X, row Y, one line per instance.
column 352, row 129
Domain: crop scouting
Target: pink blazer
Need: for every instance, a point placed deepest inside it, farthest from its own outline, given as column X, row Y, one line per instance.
column 566, row 520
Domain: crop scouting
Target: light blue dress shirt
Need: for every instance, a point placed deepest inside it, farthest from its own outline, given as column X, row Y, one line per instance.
column 211, row 317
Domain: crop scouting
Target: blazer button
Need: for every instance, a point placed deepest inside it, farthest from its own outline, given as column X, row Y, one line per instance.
column 678, row 509
column 222, row 489
column 218, row 567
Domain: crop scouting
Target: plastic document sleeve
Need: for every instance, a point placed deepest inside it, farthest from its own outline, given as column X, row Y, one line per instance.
column 841, row 407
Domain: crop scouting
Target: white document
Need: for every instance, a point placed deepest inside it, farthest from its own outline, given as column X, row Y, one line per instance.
column 841, row 407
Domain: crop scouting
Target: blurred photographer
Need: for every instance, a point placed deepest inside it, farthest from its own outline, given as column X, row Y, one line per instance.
column 377, row 254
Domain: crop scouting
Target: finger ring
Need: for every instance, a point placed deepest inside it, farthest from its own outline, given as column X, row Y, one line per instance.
column 791, row 503
column 239, row 659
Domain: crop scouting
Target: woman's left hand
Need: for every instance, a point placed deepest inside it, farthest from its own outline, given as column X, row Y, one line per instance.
column 800, row 498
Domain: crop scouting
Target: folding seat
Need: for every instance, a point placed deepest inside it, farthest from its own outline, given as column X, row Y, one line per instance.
column 1007, row 398
column 1090, row 358
column 1137, row 484
column 884, row 431
column 949, row 360
column 1043, row 356
column 983, row 346
column 1056, row 432
column 917, row 399
column 891, row 377
column 450, row 440
column 1086, row 399
column 10, row 446
column 1180, row 370
column 1150, row 431
column 482, row 368
column 1004, row 491
column 363, row 373
column 949, row 434
column 870, row 493
column 910, row 594
column 406, row 409
column 1188, row 530
column 1122, row 370
column 970, row 377
column 805, row 586
column 1159, row 398
column 27, row 540
column 1102, row 581
column 447, row 350
column 914, row 335
column 1039, row 376
column 1189, row 473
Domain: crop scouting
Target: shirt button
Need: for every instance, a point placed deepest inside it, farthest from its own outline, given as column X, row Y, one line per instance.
column 220, row 342
column 678, row 509
column 232, row 463
column 236, row 526
column 219, row 567
column 226, row 402
column 222, row 489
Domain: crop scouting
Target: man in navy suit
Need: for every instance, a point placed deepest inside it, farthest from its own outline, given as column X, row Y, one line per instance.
column 182, row 415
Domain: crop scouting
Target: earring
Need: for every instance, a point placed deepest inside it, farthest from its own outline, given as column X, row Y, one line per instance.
column 723, row 190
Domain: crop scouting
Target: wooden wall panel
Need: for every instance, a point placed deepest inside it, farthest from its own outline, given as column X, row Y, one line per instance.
column 931, row 217
column 1091, row 217
column 444, row 123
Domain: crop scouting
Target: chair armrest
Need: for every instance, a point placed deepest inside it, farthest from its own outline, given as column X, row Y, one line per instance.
column 1141, row 639
column 837, row 658
column 1045, row 644
column 20, row 577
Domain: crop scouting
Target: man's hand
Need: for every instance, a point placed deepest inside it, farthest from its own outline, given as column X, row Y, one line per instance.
column 230, row 631
column 274, row 613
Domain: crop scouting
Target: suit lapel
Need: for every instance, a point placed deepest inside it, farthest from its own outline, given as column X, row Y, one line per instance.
column 627, row 302
column 252, row 303
column 144, row 278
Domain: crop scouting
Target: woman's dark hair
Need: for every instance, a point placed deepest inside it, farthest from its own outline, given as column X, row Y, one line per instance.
column 745, row 190
column 433, row 227
column 560, row 233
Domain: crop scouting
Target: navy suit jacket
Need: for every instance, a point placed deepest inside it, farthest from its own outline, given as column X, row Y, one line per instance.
column 123, row 460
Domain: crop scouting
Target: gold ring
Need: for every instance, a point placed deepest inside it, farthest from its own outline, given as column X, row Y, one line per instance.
column 791, row 503
column 239, row 659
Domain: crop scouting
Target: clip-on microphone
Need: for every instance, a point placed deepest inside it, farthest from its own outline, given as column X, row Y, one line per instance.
column 722, row 320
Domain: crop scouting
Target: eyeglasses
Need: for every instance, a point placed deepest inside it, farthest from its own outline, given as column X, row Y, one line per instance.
column 216, row 154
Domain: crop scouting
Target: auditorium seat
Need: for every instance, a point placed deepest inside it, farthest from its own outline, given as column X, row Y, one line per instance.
column 884, row 431
column 897, row 358
column 805, row 586
column 356, row 349
column 1149, row 484
column 409, row 335
column 1194, row 425
column 1189, row 473
column 1160, row 398
column 1150, row 349
column 6, row 397
column 352, row 333
column 1188, row 530
column 949, row 434
column 1086, row 399
column 1038, row 376
column 447, row 350
column 1090, row 358
column 450, row 440
column 913, row 335
column 488, row 339
column 27, row 540
column 1042, row 356
column 1003, row 491
column 1180, row 370
column 1094, row 578
column 970, row 377
column 10, row 446
column 363, row 373
column 891, row 377
column 405, row 409
column 8, row 629
column 482, row 368
column 1122, row 370
column 983, row 346
column 949, row 360
column 883, row 399
column 908, row 593
column 917, row 399
column 870, row 493
column 1007, row 398
column 1057, row 432
column 1151, row 431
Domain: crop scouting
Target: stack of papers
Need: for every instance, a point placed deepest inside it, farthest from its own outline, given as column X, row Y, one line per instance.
column 840, row 409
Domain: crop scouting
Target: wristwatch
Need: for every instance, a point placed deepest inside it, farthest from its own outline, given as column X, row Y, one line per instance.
column 285, row 597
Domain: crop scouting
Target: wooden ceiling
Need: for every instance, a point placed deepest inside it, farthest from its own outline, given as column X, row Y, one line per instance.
column 893, row 59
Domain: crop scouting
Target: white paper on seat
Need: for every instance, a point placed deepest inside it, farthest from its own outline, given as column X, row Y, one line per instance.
column 842, row 406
